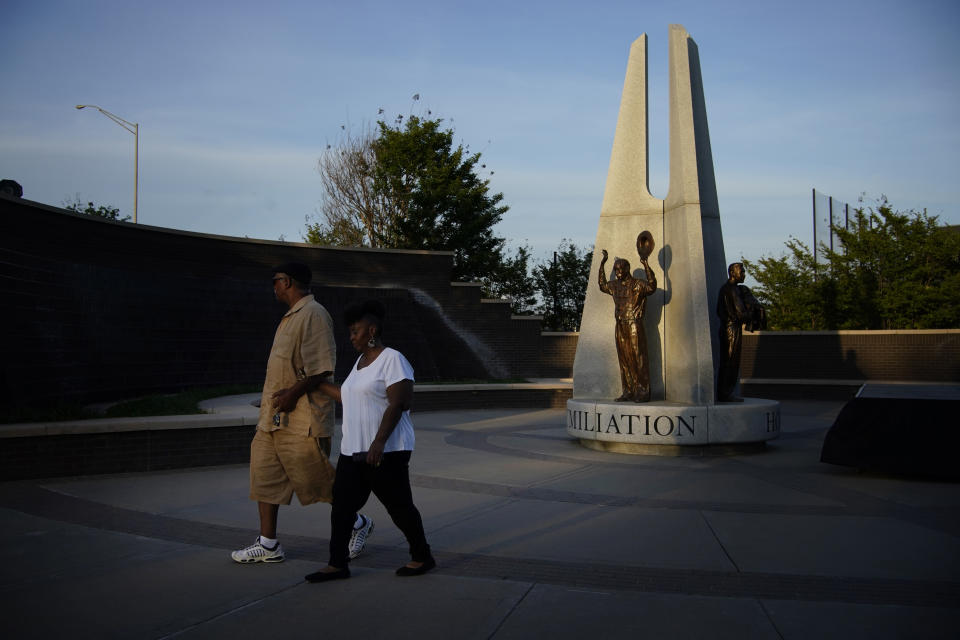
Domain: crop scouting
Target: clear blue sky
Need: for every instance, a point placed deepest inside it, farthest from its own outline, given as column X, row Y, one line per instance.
column 237, row 100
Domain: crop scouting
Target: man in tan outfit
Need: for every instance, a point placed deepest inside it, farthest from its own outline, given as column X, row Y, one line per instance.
column 291, row 448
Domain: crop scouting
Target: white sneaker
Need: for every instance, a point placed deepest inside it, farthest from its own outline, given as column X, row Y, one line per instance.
column 359, row 536
column 258, row 553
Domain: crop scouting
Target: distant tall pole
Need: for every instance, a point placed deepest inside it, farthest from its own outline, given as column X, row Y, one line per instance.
column 830, row 227
column 814, row 231
column 133, row 128
column 556, row 296
column 136, row 168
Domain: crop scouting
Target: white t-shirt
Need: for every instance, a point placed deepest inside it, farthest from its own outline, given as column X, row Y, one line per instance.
column 364, row 398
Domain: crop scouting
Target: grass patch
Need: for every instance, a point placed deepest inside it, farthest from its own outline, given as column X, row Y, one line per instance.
column 56, row 413
column 175, row 404
column 478, row 381
column 170, row 404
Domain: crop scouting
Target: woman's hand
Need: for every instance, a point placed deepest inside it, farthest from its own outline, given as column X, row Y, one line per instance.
column 375, row 453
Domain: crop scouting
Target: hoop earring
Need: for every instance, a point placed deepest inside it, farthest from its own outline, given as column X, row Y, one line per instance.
column 372, row 342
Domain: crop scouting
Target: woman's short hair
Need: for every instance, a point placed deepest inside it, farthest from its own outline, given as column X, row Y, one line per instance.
column 373, row 310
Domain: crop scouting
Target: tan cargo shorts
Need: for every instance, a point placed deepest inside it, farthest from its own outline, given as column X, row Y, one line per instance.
column 282, row 464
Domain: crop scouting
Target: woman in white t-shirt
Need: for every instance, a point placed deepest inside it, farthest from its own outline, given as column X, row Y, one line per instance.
column 376, row 447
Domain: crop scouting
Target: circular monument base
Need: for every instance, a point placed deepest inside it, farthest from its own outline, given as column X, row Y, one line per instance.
column 671, row 428
column 689, row 450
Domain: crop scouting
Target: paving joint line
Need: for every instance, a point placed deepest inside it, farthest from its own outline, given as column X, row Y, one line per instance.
column 224, row 614
column 716, row 537
column 773, row 622
column 512, row 609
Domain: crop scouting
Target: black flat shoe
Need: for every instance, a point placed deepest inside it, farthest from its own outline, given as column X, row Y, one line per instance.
column 419, row 571
column 327, row 576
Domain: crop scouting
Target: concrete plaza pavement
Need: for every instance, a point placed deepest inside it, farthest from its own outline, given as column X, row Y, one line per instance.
column 536, row 537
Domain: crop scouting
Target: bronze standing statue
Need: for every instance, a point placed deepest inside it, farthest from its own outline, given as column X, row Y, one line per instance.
column 737, row 308
column 630, row 301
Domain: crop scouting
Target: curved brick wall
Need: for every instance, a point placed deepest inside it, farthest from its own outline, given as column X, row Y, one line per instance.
column 100, row 310
column 919, row 356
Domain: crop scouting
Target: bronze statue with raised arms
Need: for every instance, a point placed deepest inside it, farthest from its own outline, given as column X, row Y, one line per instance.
column 630, row 301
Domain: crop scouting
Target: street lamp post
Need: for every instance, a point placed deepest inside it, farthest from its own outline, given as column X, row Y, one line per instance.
column 133, row 128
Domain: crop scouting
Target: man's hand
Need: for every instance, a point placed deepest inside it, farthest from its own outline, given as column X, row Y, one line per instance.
column 285, row 400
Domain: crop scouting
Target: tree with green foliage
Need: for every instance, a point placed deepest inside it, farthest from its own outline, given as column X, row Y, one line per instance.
column 890, row 270
column 562, row 286
column 788, row 288
column 510, row 280
column 408, row 186
column 101, row 211
column 443, row 203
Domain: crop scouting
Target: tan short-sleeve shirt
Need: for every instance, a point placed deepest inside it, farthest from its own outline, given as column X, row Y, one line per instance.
column 302, row 347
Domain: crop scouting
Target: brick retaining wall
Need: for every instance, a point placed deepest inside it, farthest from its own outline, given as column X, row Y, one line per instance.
column 557, row 350
column 122, row 452
column 917, row 356
column 155, row 444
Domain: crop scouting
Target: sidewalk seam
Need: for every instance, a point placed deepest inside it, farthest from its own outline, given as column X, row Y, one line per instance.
column 706, row 521
column 776, row 629
column 512, row 609
column 224, row 614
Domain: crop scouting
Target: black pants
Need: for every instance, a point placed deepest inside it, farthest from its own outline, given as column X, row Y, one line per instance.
column 390, row 482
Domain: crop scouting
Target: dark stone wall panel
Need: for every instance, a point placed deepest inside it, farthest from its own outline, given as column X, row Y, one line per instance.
column 99, row 310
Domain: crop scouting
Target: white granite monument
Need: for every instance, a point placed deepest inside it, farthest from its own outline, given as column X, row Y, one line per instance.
column 680, row 321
